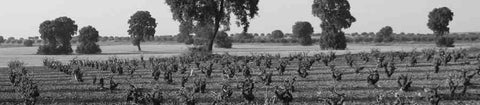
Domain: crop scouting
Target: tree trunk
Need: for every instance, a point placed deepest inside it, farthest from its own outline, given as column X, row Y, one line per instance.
column 218, row 18
column 138, row 46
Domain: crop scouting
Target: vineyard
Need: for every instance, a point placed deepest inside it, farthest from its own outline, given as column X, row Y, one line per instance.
column 429, row 76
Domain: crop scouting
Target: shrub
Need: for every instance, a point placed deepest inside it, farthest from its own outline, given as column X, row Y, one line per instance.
column 243, row 36
column 51, row 50
column 445, row 42
column 28, row 43
column 306, row 41
column 223, row 41
column 330, row 40
column 277, row 34
column 88, row 48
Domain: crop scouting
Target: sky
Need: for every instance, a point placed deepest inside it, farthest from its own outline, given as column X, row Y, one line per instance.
column 21, row 18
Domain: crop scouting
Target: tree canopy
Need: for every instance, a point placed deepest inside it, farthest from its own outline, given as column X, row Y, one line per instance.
column 439, row 19
column 303, row 31
column 384, row 35
column 88, row 38
column 57, row 35
column 142, row 26
column 277, row 34
column 335, row 16
column 199, row 13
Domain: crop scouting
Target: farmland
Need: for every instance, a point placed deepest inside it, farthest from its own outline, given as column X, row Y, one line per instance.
column 27, row 54
column 59, row 87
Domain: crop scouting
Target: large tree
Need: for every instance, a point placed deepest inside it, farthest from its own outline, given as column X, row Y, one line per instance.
column 303, row 31
column 199, row 13
column 88, row 38
column 57, row 35
column 384, row 35
column 438, row 21
column 142, row 26
column 335, row 16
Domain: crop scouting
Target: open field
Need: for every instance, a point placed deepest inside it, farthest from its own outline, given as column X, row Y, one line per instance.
column 27, row 54
column 59, row 88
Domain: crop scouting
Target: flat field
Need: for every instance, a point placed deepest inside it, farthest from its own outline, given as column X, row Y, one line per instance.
column 27, row 54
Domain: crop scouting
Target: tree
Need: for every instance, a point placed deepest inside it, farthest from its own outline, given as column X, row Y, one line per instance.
column 28, row 43
column 243, row 36
column 142, row 26
column 335, row 16
column 2, row 40
column 88, row 38
column 57, row 35
column 185, row 31
column 438, row 21
column 384, row 35
column 223, row 41
column 303, row 31
column 277, row 34
column 199, row 13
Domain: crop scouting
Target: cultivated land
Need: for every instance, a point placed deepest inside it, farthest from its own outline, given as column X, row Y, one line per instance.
column 59, row 88
column 27, row 54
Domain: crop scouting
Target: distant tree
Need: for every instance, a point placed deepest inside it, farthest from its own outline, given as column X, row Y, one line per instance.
column 2, row 40
column 88, row 38
column 243, row 36
column 335, row 16
column 57, row 35
column 303, row 31
column 364, row 34
column 384, row 35
column 277, row 34
column 142, row 26
column 438, row 21
column 355, row 34
column 217, row 12
column 223, row 41
column 28, row 43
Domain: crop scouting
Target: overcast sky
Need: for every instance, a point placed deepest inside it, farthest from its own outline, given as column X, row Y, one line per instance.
column 21, row 18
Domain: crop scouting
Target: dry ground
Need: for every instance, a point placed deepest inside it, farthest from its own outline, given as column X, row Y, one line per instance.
column 27, row 54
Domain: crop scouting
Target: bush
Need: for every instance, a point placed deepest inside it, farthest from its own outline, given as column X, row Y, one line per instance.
column 277, row 34
column 306, row 41
column 334, row 41
column 28, row 43
column 88, row 48
column 46, row 50
column 445, row 42
column 51, row 50
column 222, row 40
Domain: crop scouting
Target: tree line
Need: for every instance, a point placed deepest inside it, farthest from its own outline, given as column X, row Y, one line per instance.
column 204, row 23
